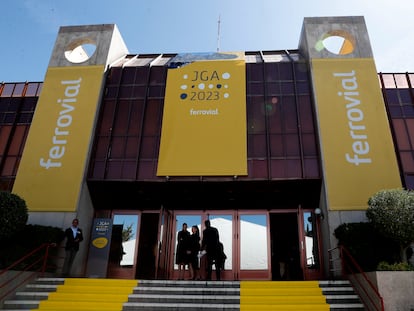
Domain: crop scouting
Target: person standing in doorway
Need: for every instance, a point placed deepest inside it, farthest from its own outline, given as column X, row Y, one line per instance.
column 210, row 244
column 73, row 236
column 194, row 246
column 183, row 251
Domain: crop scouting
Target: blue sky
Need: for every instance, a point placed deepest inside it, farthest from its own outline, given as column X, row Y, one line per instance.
column 29, row 27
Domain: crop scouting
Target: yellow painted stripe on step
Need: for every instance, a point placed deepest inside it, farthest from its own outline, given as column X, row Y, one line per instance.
column 277, row 284
column 282, row 300
column 94, row 289
column 76, row 305
column 321, row 307
column 289, row 295
column 103, row 282
column 309, row 291
column 79, row 296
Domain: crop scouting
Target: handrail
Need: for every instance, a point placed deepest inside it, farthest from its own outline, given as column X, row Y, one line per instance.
column 42, row 259
column 350, row 267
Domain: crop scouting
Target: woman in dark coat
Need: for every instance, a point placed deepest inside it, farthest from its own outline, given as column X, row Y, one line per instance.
column 194, row 245
column 182, row 252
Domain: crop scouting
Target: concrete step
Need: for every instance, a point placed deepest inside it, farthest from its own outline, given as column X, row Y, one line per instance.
column 84, row 295
column 340, row 295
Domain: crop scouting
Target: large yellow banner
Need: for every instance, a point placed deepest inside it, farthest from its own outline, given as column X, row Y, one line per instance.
column 358, row 152
column 56, row 151
column 204, row 120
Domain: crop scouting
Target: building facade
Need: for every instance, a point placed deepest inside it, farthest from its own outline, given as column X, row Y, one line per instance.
column 275, row 148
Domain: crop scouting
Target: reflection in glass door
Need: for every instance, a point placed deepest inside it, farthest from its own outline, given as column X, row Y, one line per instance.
column 122, row 254
column 224, row 225
column 190, row 220
column 254, row 246
column 311, row 256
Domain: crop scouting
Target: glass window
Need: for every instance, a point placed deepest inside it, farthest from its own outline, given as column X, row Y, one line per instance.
column 407, row 161
column 114, row 76
column 410, row 130
column 293, row 168
column 405, row 96
column 122, row 115
column 114, row 169
column 309, row 145
column 401, row 134
column 285, row 70
column 141, row 77
column 256, row 145
column 158, row 75
column 292, row 145
column 306, row 114
column 311, row 168
column 131, row 148
column 152, row 123
column 301, row 71
column 278, row 168
column 128, row 75
column 276, row 146
column 255, row 115
column 272, row 71
column 148, row 148
column 118, row 147
column 287, row 88
column 146, row 169
column 255, row 89
column 254, row 72
column 392, row 96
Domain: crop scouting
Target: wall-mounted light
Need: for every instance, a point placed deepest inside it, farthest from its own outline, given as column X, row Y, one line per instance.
column 319, row 213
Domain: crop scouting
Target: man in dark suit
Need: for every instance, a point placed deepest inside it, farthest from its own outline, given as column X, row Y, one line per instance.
column 210, row 244
column 73, row 236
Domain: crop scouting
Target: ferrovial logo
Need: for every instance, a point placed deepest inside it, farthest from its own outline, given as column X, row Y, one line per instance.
column 338, row 42
column 63, row 122
column 349, row 94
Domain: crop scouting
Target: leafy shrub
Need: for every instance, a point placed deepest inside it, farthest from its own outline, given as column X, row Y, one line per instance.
column 28, row 239
column 400, row 266
column 391, row 212
column 366, row 244
column 13, row 214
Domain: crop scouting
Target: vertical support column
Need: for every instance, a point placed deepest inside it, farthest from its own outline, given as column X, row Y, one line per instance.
column 356, row 146
column 51, row 175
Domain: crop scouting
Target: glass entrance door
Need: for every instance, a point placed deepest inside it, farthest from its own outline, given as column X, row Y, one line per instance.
column 245, row 239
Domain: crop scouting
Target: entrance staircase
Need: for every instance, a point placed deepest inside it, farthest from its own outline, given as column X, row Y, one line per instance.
column 60, row 294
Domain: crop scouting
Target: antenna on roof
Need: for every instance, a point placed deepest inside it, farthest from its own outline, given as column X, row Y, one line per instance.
column 218, row 33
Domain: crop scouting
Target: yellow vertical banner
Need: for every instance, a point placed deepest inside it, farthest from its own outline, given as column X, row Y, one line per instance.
column 204, row 119
column 54, row 160
column 358, row 152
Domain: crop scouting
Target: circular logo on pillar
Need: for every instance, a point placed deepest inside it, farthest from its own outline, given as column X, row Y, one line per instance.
column 80, row 50
column 338, row 42
column 100, row 242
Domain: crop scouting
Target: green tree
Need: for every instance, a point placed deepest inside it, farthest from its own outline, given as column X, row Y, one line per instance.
column 13, row 214
column 392, row 213
column 127, row 233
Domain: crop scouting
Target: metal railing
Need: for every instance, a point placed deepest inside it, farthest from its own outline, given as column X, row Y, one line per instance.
column 341, row 261
column 29, row 266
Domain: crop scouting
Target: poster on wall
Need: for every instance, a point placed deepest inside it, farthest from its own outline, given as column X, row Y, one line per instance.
column 204, row 119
